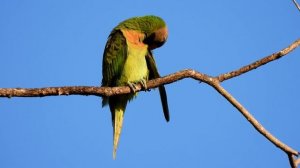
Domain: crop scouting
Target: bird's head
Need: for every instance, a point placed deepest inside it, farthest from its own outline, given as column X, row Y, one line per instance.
column 156, row 38
column 155, row 30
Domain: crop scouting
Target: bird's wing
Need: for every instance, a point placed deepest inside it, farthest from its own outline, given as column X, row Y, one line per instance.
column 153, row 73
column 114, row 58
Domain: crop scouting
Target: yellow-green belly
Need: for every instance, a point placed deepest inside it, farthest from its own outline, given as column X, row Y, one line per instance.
column 135, row 67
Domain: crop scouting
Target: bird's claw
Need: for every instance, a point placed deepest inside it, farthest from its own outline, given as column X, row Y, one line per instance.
column 132, row 86
column 144, row 84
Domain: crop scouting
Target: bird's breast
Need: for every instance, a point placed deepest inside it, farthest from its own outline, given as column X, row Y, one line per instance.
column 135, row 67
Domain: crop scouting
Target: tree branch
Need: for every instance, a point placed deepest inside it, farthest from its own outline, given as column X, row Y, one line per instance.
column 296, row 4
column 253, row 121
column 188, row 73
column 294, row 162
column 259, row 63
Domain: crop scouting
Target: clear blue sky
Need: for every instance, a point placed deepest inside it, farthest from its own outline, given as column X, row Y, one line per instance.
column 60, row 43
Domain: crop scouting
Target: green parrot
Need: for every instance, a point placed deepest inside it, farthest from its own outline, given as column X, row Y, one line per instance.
column 128, row 60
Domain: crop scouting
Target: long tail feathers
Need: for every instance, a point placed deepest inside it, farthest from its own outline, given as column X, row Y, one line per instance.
column 164, row 102
column 118, row 122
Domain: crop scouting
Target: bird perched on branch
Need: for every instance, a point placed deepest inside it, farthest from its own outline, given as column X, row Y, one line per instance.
column 128, row 60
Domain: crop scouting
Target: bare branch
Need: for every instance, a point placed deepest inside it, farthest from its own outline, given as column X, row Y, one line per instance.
column 110, row 91
column 253, row 121
column 294, row 162
column 188, row 73
column 291, row 160
column 99, row 91
column 296, row 4
column 64, row 90
column 297, row 162
column 260, row 62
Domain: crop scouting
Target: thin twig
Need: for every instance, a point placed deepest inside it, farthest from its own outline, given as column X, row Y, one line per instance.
column 260, row 62
column 253, row 121
column 297, row 162
column 297, row 5
column 294, row 161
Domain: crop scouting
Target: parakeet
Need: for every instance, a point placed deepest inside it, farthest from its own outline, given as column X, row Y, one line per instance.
column 128, row 60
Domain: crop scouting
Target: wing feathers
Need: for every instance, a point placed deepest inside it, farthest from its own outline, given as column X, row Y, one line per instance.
column 114, row 57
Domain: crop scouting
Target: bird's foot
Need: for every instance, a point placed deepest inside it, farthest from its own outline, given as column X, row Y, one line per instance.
column 132, row 86
column 143, row 82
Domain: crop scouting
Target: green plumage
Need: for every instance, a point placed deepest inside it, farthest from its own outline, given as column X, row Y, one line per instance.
column 128, row 60
column 114, row 56
column 145, row 24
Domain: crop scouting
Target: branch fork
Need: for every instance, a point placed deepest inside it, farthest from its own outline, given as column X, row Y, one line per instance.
column 214, row 82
